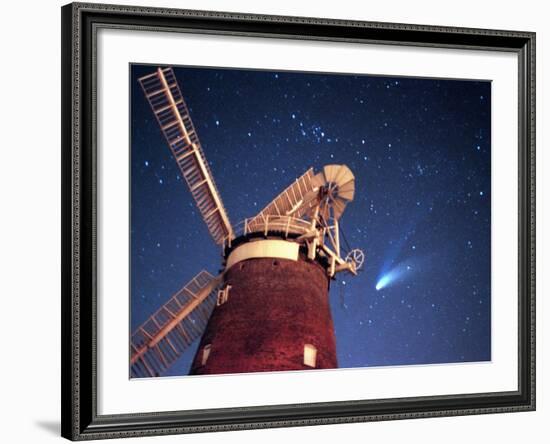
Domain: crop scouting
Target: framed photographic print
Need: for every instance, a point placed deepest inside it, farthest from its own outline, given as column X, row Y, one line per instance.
column 278, row 221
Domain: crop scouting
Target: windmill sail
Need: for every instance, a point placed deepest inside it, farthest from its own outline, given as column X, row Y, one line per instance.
column 163, row 337
column 295, row 201
column 164, row 96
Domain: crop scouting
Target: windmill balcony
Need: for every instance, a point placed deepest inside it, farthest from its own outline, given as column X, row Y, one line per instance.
column 270, row 225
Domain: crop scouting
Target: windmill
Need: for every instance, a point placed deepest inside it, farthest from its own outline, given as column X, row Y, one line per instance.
column 269, row 307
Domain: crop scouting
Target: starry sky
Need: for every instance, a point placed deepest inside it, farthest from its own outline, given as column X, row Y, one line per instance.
column 420, row 150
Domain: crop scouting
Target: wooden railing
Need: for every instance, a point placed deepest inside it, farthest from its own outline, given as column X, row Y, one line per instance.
column 283, row 225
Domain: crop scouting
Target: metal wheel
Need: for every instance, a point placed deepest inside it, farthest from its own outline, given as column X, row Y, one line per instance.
column 357, row 256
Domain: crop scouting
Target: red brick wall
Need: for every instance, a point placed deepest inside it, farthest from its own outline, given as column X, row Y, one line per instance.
column 275, row 306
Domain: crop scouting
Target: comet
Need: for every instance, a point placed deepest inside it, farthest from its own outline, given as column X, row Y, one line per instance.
column 396, row 274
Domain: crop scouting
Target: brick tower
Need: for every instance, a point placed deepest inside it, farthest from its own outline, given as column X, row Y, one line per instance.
column 274, row 315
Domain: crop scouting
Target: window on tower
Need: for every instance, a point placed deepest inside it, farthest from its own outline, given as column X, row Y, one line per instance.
column 205, row 353
column 223, row 295
column 310, row 355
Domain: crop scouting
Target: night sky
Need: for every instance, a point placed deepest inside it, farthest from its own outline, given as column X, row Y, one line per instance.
column 420, row 150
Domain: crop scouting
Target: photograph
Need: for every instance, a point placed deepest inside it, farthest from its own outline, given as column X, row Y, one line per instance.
column 306, row 221
column 278, row 220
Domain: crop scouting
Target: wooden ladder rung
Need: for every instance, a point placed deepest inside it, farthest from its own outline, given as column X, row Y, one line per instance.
column 156, row 93
column 185, row 153
column 207, row 216
column 164, row 108
column 199, row 184
column 170, row 125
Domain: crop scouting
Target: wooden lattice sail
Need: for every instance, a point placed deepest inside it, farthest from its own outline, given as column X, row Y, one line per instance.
column 164, row 96
column 304, row 194
column 163, row 337
column 295, row 201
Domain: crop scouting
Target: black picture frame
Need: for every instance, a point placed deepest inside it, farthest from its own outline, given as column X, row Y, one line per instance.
column 79, row 171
